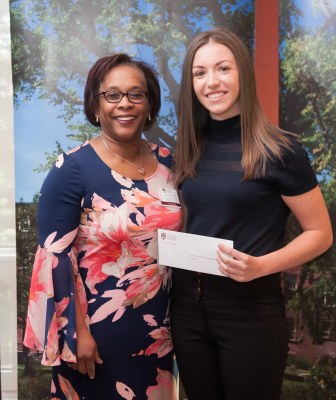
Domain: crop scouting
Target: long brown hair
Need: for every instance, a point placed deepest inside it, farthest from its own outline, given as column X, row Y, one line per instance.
column 261, row 140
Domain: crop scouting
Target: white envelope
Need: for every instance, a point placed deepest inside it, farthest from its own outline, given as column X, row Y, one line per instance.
column 187, row 251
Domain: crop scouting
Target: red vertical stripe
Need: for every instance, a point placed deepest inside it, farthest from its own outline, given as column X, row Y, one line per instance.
column 267, row 56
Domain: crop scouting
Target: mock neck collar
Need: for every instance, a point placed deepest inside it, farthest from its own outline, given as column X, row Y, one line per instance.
column 223, row 131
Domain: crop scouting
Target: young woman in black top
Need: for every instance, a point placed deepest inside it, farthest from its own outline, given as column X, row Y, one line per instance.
column 239, row 177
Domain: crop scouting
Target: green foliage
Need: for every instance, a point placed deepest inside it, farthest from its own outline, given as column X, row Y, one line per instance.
column 50, row 158
column 308, row 107
column 26, row 242
column 322, row 380
column 314, row 380
column 290, row 16
column 27, row 63
column 309, row 75
column 35, row 386
column 299, row 362
column 295, row 391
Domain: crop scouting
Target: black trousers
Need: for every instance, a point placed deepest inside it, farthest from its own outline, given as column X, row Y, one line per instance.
column 229, row 349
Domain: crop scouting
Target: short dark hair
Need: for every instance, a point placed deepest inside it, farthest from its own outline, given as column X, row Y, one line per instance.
column 101, row 68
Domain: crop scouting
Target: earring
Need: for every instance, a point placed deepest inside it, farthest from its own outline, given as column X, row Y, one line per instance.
column 149, row 118
column 97, row 119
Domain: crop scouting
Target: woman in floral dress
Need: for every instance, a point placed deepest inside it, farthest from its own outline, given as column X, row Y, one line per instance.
column 98, row 306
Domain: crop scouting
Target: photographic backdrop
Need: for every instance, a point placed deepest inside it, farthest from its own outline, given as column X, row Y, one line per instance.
column 55, row 42
column 308, row 107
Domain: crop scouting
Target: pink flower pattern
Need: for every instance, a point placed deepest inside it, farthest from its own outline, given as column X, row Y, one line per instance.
column 112, row 252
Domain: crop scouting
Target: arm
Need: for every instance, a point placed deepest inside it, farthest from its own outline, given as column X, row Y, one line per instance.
column 316, row 237
column 87, row 351
column 53, row 305
column 63, row 197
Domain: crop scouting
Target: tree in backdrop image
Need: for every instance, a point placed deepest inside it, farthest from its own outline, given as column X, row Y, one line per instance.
column 308, row 107
column 53, row 45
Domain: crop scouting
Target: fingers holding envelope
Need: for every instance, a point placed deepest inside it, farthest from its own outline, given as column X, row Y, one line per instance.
column 236, row 265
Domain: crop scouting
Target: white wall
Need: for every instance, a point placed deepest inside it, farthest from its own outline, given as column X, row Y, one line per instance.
column 8, row 340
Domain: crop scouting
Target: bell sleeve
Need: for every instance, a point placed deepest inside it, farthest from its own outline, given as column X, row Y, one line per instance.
column 51, row 318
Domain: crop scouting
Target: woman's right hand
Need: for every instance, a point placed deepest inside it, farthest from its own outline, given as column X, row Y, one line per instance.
column 87, row 353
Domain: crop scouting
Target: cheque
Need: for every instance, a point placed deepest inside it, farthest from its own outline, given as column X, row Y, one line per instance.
column 187, row 251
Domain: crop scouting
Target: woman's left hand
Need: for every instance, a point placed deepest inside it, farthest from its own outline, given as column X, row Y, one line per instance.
column 241, row 267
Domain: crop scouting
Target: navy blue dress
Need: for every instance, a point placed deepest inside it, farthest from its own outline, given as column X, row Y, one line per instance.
column 101, row 228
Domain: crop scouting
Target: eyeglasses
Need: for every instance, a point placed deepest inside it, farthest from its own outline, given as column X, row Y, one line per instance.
column 115, row 96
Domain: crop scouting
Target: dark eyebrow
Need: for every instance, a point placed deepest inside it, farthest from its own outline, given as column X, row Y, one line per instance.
column 129, row 90
column 218, row 63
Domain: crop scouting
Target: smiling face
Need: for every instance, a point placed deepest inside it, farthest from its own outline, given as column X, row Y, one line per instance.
column 216, row 80
column 123, row 121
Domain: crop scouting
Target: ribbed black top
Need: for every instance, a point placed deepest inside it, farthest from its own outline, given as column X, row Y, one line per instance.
column 251, row 213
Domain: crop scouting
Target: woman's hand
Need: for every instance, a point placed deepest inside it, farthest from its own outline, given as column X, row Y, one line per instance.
column 237, row 265
column 87, row 354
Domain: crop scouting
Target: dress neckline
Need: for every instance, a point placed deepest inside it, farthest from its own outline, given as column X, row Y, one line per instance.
column 127, row 177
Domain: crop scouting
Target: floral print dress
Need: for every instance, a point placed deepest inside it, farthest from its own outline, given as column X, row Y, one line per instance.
column 98, row 230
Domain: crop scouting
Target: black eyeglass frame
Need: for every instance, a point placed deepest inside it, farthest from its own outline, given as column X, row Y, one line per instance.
column 123, row 95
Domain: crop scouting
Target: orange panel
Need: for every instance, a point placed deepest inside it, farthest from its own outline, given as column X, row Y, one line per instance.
column 267, row 56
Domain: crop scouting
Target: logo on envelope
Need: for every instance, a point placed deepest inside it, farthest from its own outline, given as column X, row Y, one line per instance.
column 168, row 235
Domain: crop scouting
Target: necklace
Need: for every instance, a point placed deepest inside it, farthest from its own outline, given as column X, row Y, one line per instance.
column 139, row 168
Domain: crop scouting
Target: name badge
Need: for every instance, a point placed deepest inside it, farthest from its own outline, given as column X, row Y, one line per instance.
column 169, row 197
